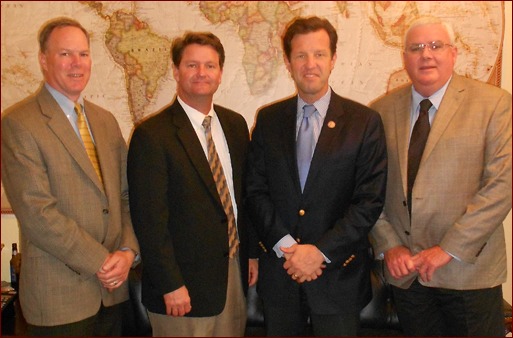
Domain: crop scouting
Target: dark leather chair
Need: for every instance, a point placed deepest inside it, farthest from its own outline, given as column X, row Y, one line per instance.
column 378, row 318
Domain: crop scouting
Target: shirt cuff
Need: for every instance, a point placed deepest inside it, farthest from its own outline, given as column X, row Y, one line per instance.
column 137, row 256
column 287, row 241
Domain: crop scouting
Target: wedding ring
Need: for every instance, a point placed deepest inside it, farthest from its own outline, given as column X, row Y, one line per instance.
column 114, row 283
column 294, row 276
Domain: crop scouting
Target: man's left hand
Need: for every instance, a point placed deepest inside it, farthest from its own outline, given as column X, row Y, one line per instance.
column 304, row 262
column 429, row 260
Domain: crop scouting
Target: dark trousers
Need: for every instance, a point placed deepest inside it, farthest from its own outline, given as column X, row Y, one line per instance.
column 426, row 311
column 107, row 322
column 292, row 319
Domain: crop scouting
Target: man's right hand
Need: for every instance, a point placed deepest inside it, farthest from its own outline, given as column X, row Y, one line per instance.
column 178, row 302
column 399, row 261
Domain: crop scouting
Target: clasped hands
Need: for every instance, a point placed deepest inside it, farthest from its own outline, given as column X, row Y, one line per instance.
column 401, row 262
column 303, row 262
column 114, row 270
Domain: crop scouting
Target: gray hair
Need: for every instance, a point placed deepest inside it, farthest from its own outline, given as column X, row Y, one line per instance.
column 430, row 20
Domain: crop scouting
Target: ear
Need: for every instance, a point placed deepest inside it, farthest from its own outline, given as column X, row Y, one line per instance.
column 287, row 62
column 333, row 60
column 43, row 61
column 454, row 51
column 176, row 74
column 220, row 75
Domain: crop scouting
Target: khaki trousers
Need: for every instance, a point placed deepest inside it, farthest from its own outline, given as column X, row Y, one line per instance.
column 229, row 323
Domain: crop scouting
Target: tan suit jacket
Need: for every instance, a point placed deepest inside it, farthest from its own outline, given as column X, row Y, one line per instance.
column 462, row 191
column 68, row 221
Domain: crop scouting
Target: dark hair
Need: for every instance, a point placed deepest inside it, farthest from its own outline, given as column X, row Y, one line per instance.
column 48, row 27
column 308, row 25
column 200, row 38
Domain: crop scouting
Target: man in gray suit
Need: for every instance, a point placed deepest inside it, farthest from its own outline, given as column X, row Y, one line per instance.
column 76, row 235
column 446, row 257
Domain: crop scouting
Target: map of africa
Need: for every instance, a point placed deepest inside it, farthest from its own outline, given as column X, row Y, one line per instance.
column 130, row 44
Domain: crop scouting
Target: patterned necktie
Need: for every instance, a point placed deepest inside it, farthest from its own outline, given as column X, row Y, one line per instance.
column 305, row 144
column 222, row 187
column 418, row 140
column 88, row 142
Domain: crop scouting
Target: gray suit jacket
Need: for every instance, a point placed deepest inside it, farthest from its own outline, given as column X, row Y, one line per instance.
column 462, row 191
column 68, row 222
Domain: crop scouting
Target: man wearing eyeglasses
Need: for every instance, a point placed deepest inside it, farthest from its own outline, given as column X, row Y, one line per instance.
column 441, row 232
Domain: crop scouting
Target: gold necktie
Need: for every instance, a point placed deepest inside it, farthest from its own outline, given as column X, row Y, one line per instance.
column 222, row 188
column 88, row 142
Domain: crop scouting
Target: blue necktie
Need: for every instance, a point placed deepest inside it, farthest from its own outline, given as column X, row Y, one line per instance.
column 305, row 144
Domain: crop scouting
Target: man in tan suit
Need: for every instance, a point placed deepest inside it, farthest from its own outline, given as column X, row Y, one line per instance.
column 446, row 258
column 76, row 235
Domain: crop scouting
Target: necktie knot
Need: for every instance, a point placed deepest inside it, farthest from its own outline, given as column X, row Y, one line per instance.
column 206, row 122
column 308, row 110
column 425, row 105
column 78, row 110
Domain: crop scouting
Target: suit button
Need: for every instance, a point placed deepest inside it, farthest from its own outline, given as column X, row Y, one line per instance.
column 105, row 211
column 407, row 233
column 302, row 212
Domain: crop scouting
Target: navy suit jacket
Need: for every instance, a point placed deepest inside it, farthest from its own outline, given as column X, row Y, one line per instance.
column 176, row 211
column 342, row 199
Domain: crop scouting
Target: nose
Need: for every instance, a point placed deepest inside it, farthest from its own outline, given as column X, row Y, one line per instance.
column 201, row 70
column 426, row 52
column 310, row 61
column 76, row 60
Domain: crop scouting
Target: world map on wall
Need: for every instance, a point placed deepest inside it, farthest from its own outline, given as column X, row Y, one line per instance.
column 130, row 44
column 131, row 40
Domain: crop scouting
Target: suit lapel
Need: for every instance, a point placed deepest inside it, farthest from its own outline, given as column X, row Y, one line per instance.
column 192, row 147
column 234, row 149
column 102, row 142
column 332, row 126
column 61, row 127
column 287, row 124
column 402, row 112
column 450, row 104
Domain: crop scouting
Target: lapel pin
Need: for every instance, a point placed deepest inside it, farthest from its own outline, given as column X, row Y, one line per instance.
column 331, row 124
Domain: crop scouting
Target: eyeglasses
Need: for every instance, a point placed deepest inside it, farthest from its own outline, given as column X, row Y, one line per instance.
column 434, row 46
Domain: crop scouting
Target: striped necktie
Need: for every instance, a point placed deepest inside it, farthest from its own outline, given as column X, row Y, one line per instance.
column 222, row 187
column 88, row 141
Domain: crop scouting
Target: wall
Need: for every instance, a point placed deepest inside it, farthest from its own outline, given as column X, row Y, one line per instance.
column 9, row 228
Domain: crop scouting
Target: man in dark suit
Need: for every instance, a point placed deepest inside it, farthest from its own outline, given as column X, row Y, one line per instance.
column 318, row 261
column 192, row 285
column 76, row 235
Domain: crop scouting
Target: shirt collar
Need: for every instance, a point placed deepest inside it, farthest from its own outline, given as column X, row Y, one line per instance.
column 321, row 105
column 67, row 106
column 435, row 99
column 194, row 115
